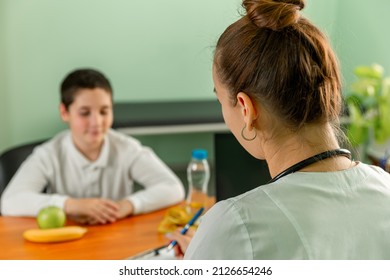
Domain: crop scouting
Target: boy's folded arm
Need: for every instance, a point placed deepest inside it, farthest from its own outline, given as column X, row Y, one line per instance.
column 161, row 186
column 24, row 195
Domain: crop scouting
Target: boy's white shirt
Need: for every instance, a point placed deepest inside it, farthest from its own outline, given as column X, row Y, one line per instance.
column 59, row 165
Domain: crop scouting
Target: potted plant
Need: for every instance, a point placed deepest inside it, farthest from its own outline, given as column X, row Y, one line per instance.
column 368, row 104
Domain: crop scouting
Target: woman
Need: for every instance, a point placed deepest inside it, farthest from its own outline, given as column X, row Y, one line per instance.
column 90, row 169
column 278, row 83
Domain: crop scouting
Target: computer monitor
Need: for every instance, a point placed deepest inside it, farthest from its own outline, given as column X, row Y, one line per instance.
column 236, row 171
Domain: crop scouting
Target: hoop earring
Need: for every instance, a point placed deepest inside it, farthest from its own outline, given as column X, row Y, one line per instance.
column 244, row 137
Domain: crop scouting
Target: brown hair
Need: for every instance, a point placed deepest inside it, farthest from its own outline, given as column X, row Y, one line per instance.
column 82, row 79
column 278, row 57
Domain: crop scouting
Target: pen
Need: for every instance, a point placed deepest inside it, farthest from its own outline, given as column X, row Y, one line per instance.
column 186, row 227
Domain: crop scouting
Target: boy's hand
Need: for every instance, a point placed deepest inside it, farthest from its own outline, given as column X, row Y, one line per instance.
column 125, row 208
column 93, row 210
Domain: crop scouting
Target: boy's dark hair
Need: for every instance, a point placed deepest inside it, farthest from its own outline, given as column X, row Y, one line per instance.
column 82, row 79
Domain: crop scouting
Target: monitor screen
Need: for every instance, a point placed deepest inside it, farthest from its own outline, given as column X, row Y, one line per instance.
column 236, row 171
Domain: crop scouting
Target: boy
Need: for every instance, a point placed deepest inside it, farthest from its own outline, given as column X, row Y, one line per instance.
column 89, row 170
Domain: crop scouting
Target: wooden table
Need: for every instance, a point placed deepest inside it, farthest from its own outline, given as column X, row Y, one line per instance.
column 114, row 241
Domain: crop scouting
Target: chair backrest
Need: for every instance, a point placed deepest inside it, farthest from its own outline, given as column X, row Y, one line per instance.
column 10, row 161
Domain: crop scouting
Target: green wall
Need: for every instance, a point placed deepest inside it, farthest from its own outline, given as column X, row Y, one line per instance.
column 362, row 35
column 323, row 13
column 151, row 50
column 358, row 30
column 4, row 131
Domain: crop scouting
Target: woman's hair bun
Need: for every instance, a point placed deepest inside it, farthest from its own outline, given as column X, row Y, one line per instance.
column 273, row 14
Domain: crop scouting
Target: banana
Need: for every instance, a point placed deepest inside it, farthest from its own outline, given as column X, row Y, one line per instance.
column 54, row 234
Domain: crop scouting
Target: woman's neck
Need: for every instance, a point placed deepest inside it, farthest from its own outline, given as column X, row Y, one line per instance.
column 295, row 147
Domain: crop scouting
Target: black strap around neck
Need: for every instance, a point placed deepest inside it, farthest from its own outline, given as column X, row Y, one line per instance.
column 306, row 162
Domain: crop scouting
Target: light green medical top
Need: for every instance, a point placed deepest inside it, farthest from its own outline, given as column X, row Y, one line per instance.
column 305, row 215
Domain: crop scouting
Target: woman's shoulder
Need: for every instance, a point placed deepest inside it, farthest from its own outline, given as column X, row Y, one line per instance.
column 372, row 175
column 235, row 216
column 372, row 169
column 257, row 194
column 256, row 200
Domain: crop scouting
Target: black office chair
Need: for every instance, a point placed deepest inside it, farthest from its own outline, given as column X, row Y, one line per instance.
column 11, row 159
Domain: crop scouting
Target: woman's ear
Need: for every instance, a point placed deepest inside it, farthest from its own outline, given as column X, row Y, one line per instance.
column 64, row 113
column 248, row 109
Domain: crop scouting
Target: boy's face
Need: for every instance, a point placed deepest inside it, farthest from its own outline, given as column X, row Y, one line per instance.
column 89, row 117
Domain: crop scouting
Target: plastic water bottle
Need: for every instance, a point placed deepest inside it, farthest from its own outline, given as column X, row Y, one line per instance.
column 198, row 176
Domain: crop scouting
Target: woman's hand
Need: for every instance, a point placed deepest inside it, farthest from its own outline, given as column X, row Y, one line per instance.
column 92, row 210
column 182, row 241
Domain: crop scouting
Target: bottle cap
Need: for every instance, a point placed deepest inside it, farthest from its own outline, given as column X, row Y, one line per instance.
column 199, row 154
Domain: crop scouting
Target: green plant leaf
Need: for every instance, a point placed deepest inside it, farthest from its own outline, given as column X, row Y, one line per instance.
column 382, row 131
column 369, row 105
column 357, row 131
column 374, row 71
column 369, row 102
column 355, row 98
column 357, row 134
column 386, row 88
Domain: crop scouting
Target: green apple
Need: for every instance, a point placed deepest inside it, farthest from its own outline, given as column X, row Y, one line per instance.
column 51, row 217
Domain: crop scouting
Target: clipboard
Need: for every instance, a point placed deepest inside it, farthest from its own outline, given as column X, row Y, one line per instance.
column 165, row 252
column 160, row 253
